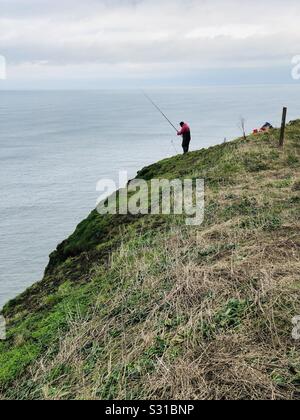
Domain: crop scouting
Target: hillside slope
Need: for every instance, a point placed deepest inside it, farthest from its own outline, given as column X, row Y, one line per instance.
column 146, row 307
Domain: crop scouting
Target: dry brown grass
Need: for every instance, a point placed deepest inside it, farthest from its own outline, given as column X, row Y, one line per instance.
column 256, row 360
column 194, row 313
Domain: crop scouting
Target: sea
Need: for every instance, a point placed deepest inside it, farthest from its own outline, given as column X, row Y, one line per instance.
column 56, row 145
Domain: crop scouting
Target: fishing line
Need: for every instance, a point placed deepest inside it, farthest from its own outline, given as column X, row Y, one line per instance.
column 175, row 148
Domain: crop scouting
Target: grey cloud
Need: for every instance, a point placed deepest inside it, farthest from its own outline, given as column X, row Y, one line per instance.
column 166, row 33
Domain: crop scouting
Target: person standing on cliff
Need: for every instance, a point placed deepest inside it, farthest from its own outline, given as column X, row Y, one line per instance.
column 185, row 132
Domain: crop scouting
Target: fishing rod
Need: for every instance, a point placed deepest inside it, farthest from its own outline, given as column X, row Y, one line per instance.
column 159, row 110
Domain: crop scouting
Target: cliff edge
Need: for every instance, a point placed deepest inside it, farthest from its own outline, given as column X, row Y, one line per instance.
column 139, row 307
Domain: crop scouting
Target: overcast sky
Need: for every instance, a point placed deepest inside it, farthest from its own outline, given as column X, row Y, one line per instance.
column 99, row 43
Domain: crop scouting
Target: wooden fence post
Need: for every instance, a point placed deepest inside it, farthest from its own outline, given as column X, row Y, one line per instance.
column 282, row 132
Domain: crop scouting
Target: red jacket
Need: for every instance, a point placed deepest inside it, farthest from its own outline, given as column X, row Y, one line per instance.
column 184, row 130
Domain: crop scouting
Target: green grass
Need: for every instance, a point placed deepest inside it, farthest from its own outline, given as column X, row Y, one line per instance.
column 145, row 307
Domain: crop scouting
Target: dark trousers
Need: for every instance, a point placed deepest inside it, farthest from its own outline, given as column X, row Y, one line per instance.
column 186, row 146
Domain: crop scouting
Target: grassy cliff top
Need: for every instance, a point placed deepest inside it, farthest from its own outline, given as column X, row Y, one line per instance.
column 146, row 307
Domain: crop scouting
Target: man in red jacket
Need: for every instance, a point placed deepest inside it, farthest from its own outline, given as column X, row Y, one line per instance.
column 185, row 132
